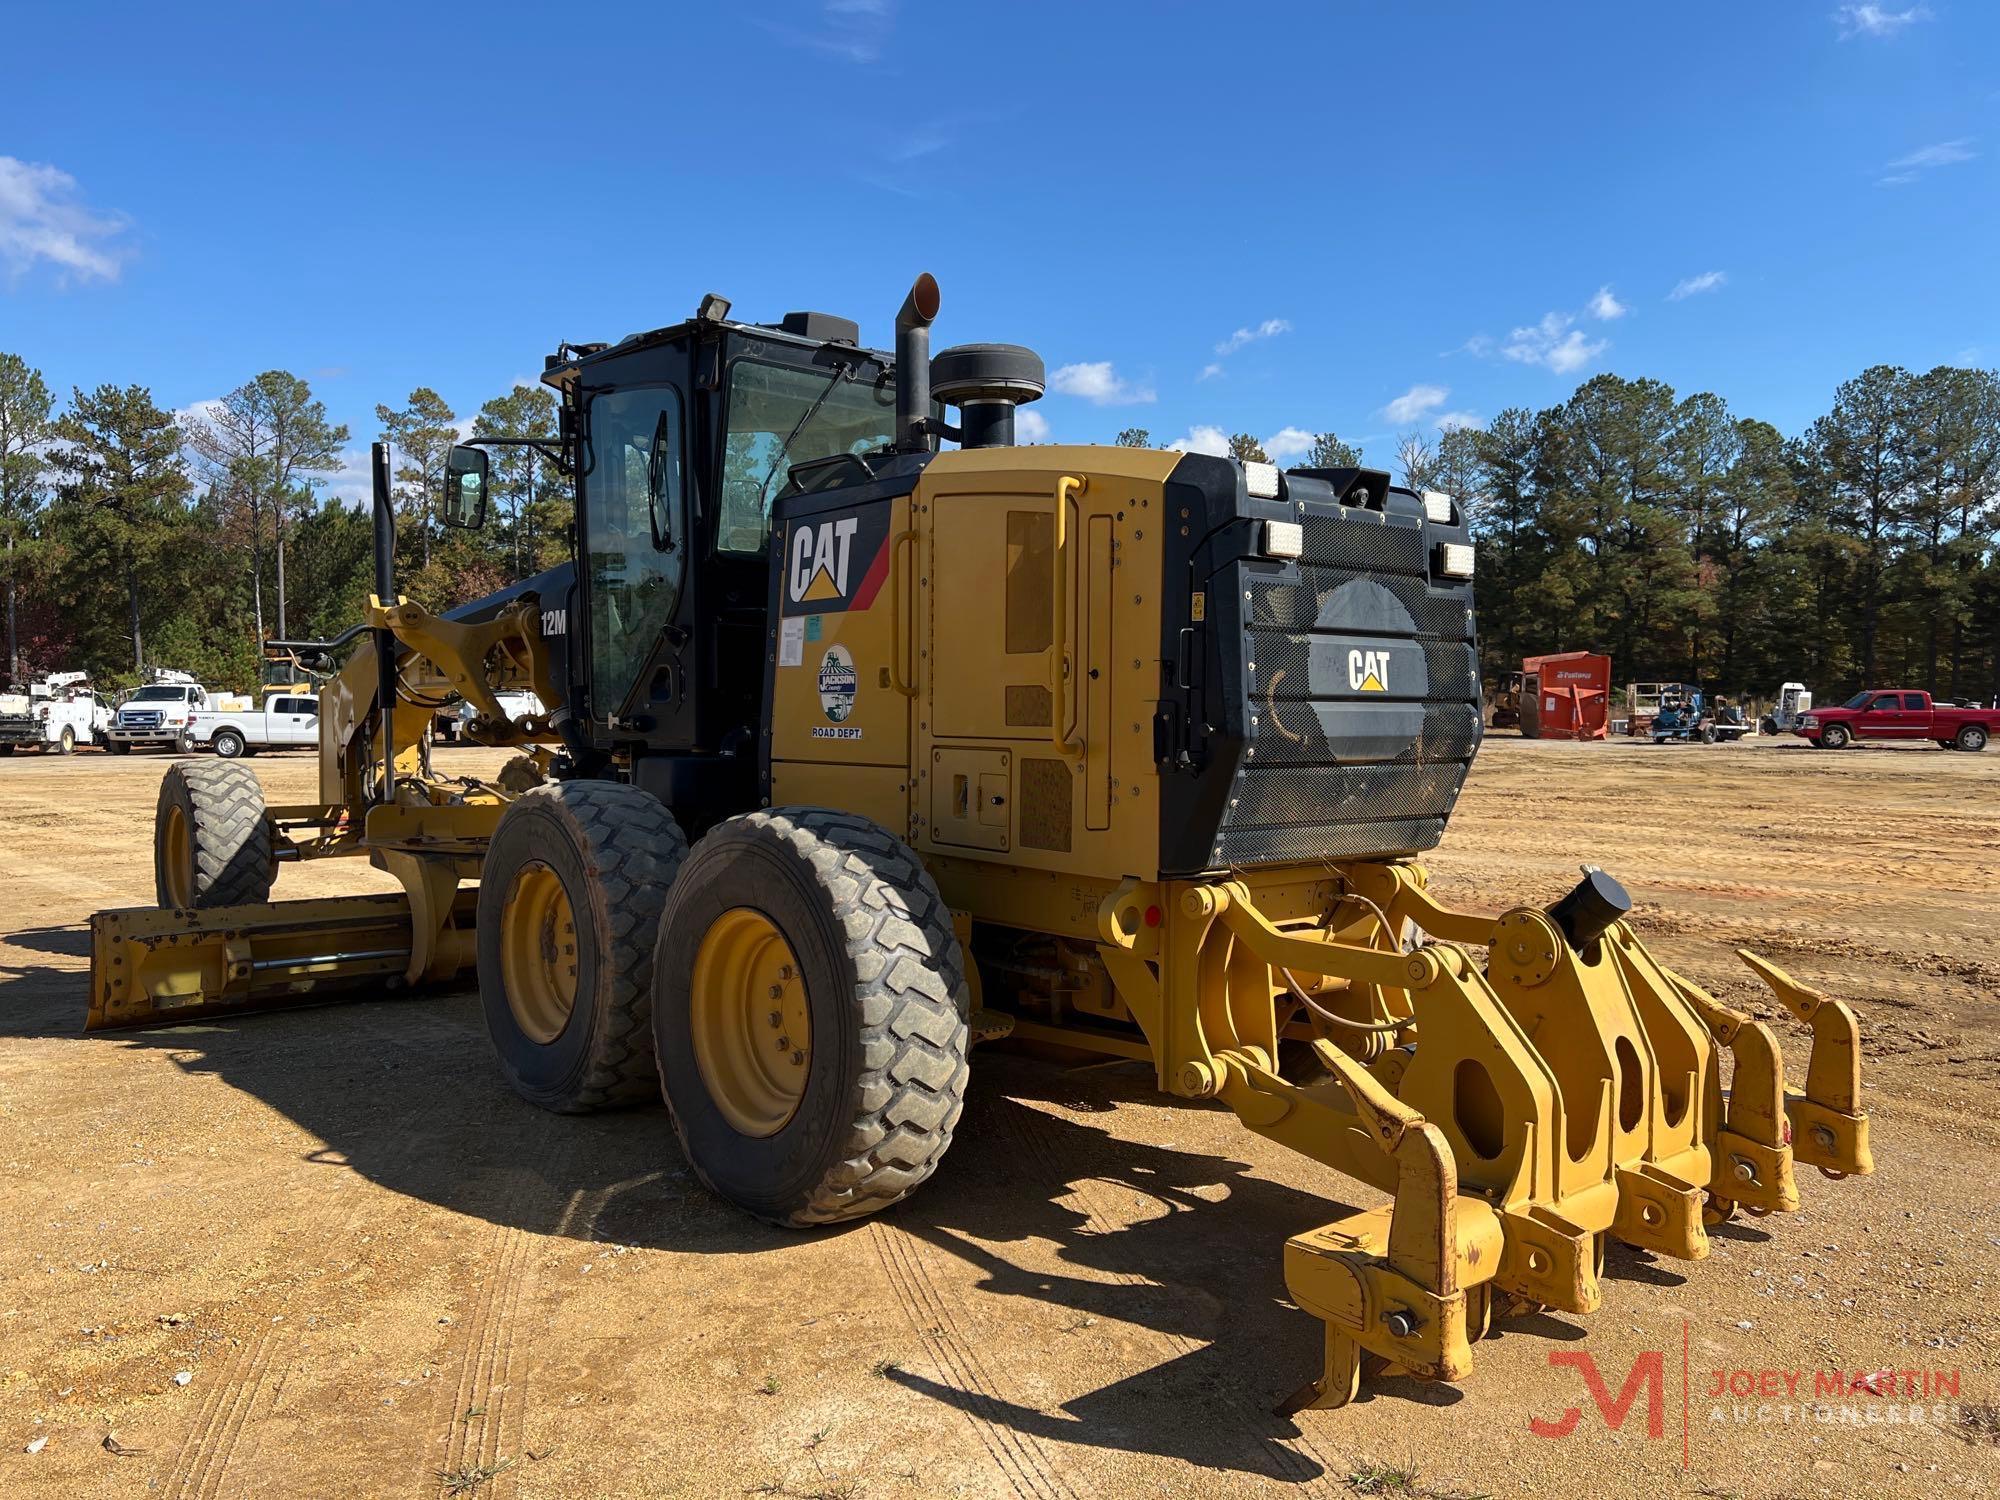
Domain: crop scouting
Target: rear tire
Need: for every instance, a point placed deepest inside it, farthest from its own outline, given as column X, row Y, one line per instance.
column 519, row 775
column 212, row 845
column 829, row 923
column 228, row 744
column 1971, row 738
column 569, row 909
column 1834, row 737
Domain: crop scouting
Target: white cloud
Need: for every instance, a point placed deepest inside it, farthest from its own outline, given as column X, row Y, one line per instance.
column 1288, row 443
column 1452, row 421
column 856, row 31
column 197, row 412
column 1209, row 371
column 1552, row 342
column 1098, row 382
column 43, row 218
column 1413, row 403
column 1604, row 306
column 1943, row 154
column 1030, row 426
column 1203, row 439
column 1875, row 20
column 1269, row 328
column 1694, row 286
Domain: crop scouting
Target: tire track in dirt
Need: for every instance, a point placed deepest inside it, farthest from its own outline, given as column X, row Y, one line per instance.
column 1261, row 1441
column 203, row 1460
column 238, row 1403
column 489, row 1405
column 1020, row 1456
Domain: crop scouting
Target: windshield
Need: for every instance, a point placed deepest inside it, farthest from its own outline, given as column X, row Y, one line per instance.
column 1856, row 701
column 160, row 695
column 770, row 403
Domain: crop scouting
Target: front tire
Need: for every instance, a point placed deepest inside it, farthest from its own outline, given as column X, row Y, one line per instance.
column 846, row 1101
column 1971, row 738
column 212, row 845
column 569, row 910
column 119, row 747
column 1834, row 737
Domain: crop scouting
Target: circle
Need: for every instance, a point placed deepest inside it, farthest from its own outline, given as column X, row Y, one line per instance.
column 750, row 1021
column 177, row 851
column 538, row 952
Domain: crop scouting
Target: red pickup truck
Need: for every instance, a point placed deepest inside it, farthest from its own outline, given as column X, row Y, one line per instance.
column 1899, row 714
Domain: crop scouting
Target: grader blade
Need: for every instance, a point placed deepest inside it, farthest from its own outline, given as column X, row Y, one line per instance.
column 153, row 966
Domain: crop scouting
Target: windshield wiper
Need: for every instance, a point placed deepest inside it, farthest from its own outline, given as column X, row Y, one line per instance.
column 764, row 490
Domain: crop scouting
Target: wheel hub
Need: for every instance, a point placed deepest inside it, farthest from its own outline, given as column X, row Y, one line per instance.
column 177, row 853
column 538, row 952
column 751, row 1025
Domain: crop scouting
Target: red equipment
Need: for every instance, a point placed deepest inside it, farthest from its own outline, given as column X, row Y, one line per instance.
column 1566, row 696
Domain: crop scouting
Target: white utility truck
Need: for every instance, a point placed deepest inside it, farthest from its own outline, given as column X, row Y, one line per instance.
column 58, row 712
column 158, row 713
column 287, row 721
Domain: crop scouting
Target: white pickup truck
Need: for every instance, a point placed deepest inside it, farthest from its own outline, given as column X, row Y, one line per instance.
column 287, row 721
column 158, row 714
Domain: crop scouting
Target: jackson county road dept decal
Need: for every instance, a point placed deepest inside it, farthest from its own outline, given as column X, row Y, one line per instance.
column 838, row 682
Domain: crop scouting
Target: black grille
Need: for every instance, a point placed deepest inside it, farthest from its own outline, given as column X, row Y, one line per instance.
column 1363, row 540
column 1324, row 707
column 1331, row 770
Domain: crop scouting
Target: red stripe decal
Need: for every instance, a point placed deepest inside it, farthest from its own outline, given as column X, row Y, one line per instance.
column 871, row 582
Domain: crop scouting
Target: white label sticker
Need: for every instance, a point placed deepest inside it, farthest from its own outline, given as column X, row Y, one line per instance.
column 835, row 732
column 792, row 641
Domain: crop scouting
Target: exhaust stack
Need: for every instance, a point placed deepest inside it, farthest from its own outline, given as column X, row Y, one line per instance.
column 913, row 364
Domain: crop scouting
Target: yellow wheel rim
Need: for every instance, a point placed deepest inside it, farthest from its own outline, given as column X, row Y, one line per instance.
column 752, row 1030
column 177, row 853
column 538, row 952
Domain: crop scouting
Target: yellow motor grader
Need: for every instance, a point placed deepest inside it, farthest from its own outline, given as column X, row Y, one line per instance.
column 859, row 749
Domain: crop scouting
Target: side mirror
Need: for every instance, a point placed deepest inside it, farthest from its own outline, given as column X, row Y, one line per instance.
column 465, row 488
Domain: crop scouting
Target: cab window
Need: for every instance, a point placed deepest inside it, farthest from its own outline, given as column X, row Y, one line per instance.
column 818, row 411
column 634, row 533
column 1913, row 700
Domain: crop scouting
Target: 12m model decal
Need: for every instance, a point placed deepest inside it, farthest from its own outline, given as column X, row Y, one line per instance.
column 835, row 562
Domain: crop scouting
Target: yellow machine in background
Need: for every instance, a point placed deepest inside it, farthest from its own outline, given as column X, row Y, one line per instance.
column 1122, row 750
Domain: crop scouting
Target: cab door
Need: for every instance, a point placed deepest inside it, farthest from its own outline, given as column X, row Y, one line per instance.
column 301, row 726
column 1883, row 718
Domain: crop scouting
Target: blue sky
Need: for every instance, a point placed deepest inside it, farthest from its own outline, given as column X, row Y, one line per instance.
column 1273, row 218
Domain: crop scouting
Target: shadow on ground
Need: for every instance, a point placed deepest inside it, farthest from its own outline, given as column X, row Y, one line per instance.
column 1039, row 1202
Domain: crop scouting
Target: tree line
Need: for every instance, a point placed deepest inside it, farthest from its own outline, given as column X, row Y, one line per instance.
column 134, row 538
column 1685, row 540
column 1693, row 544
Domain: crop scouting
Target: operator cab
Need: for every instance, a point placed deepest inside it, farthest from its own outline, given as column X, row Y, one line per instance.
column 679, row 442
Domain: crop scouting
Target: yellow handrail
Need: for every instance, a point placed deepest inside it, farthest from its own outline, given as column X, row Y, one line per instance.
column 1062, row 677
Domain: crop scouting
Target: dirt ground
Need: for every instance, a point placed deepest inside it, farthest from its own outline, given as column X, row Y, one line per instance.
column 327, row 1253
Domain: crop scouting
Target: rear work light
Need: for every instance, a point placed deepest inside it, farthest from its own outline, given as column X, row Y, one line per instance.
column 1437, row 506
column 1454, row 560
column 1284, row 539
column 1261, row 480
